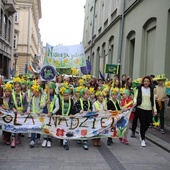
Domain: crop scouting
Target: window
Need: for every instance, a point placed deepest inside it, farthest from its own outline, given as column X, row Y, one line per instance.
column 15, row 41
column 16, row 17
column 9, row 32
column 5, row 23
column 149, row 37
column 130, row 53
column 1, row 23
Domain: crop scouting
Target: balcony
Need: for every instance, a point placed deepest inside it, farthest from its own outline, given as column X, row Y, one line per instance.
column 10, row 7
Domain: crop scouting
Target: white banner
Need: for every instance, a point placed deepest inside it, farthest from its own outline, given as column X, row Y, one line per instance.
column 65, row 56
column 81, row 126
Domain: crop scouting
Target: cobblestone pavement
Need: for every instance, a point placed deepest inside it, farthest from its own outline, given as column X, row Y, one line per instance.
column 116, row 157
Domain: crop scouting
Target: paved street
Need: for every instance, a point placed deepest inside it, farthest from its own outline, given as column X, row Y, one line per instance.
column 116, row 157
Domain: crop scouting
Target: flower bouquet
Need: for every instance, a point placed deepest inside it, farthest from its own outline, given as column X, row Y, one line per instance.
column 167, row 85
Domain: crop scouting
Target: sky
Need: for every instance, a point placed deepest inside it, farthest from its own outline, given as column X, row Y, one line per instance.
column 62, row 22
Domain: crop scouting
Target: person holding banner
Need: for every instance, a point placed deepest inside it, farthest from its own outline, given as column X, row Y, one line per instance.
column 7, row 88
column 83, row 104
column 18, row 104
column 99, row 105
column 144, row 100
column 76, row 94
column 52, row 101
column 126, row 102
column 113, row 105
column 66, row 108
column 92, row 97
column 35, row 110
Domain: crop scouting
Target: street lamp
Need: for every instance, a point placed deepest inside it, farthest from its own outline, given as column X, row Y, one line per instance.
column 15, row 58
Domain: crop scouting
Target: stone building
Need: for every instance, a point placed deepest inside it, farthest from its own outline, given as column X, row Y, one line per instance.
column 7, row 9
column 27, row 39
column 134, row 34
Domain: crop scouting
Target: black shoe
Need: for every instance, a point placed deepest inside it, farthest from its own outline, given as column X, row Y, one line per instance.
column 78, row 141
column 133, row 135
column 66, row 147
column 61, row 141
column 154, row 128
column 109, row 141
column 85, row 145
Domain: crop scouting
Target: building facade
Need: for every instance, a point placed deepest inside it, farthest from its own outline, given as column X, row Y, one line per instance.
column 134, row 34
column 27, row 39
column 7, row 10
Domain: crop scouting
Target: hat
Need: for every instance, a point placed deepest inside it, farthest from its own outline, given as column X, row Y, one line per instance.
column 136, row 82
column 64, row 89
column 83, row 90
column 105, row 87
column 16, row 80
column 36, row 87
column 8, row 86
column 23, row 81
column 67, row 91
column 122, row 90
column 52, row 86
column 88, row 76
column 99, row 93
column 160, row 77
column 127, row 92
column 91, row 90
column 114, row 91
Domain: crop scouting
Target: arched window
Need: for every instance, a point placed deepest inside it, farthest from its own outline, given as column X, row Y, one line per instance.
column 110, row 50
column 97, row 61
column 1, row 22
column 103, row 57
column 130, row 51
column 149, row 33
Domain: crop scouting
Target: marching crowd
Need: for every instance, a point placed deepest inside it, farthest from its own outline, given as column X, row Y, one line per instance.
column 70, row 95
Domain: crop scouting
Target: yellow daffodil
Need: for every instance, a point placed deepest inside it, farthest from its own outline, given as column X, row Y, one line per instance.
column 35, row 88
column 50, row 60
column 62, row 90
column 98, row 93
column 35, row 82
column 65, row 84
column 122, row 90
column 76, row 61
column 156, row 124
column 79, row 88
column 114, row 90
column 56, row 63
column 80, row 81
column 16, row 79
column 74, row 71
column 84, row 77
column 65, row 61
column 20, row 109
column 91, row 90
column 88, row 76
column 167, row 84
column 8, row 86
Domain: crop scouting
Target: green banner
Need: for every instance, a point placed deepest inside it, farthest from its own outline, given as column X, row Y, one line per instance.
column 111, row 68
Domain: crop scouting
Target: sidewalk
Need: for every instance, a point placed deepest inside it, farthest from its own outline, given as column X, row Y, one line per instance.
column 161, row 140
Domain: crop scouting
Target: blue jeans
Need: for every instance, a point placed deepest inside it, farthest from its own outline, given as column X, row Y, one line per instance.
column 33, row 136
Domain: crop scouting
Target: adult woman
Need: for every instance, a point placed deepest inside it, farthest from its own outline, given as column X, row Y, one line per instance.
column 144, row 100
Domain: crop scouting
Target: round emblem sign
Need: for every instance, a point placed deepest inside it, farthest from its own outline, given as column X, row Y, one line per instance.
column 48, row 73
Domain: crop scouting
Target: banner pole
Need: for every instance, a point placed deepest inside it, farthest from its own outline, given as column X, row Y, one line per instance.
column 48, row 105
